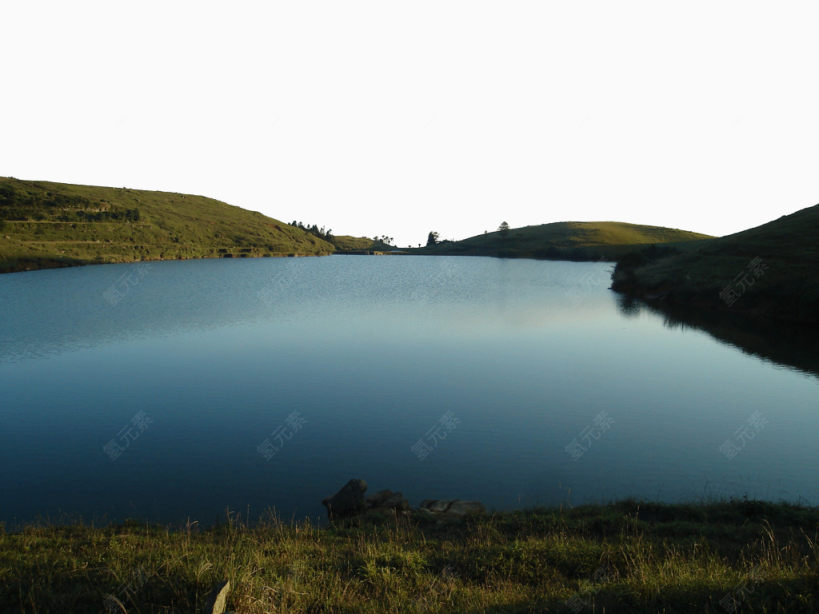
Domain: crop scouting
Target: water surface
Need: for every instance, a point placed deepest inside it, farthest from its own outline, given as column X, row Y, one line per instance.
column 174, row 390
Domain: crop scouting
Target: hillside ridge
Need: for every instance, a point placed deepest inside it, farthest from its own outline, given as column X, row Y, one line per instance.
column 45, row 224
column 769, row 271
column 564, row 241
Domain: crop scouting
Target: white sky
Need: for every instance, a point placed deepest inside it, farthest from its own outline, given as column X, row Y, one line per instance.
column 400, row 118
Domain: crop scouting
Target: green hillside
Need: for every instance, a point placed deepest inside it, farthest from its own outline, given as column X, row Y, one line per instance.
column 348, row 244
column 564, row 241
column 769, row 271
column 45, row 224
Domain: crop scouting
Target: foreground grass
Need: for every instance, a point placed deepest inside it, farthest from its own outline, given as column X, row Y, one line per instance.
column 564, row 241
column 628, row 557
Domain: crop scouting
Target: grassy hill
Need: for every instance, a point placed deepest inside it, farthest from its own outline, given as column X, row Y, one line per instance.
column 45, row 224
column 771, row 271
column 564, row 241
column 738, row 556
column 357, row 245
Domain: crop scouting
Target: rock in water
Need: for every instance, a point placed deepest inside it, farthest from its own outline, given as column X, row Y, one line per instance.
column 387, row 500
column 348, row 501
column 218, row 599
column 462, row 508
column 436, row 506
column 451, row 507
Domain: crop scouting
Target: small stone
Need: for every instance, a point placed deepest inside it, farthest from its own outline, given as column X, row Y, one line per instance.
column 462, row 508
column 379, row 498
column 387, row 500
column 439, row 506
column 451, row 507
column 348, row 501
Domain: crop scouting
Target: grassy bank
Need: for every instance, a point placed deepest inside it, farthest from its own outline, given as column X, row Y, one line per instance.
column 768, row 272
column 626, row 557
column 563, row 241
column 45, row 224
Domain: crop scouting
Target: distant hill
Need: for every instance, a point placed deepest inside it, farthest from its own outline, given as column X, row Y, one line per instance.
column 45, row 224
column 769, row 271
column 348, row 244
column 564, row 241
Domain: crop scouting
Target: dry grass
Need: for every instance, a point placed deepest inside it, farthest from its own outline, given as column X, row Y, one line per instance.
column 626, row 557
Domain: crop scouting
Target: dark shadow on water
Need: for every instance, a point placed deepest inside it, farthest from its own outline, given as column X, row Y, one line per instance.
column 628, row 306
column 793, row 346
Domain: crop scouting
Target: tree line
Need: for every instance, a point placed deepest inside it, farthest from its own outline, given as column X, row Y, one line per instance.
column 327, row 234
column 433, row 238
column 321, row 233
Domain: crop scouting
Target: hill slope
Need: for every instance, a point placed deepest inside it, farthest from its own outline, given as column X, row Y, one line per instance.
column 564, row 240
column 45, row 224
column 346, row 244
column 769, row 271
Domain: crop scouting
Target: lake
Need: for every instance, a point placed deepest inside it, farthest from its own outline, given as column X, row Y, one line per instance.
column 174, row 390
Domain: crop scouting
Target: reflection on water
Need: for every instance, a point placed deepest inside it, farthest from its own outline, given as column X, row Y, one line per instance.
column 176, row 391
column 782, row 343
column 628, row 306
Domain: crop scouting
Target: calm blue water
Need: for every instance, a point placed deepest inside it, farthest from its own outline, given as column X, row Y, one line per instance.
column 177, row 389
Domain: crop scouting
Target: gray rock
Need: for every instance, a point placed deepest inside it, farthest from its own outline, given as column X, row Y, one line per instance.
column 387, row 500
column 451, row 507
column 348, row 501
column 462, row 508
column 379, row 498
column 217, row 601
column 437, row 506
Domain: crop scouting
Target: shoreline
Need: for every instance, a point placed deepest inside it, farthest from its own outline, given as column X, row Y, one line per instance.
column 71, row 263
column 763, row 308
column 767, row 274
column 417, row 514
